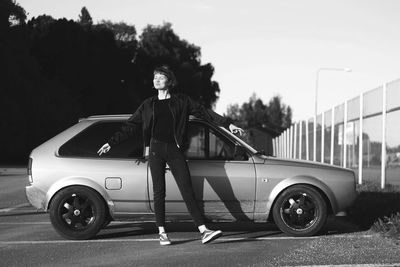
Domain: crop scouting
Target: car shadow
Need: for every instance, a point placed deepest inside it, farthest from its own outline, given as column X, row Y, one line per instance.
column 235, row 231
column 371, row 206
column 340, row 225
column 126, row 230
column 208, row 168
column 222, row 187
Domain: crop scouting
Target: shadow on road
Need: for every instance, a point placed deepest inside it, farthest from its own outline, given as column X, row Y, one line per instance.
column 369, row 206
column 244, row 231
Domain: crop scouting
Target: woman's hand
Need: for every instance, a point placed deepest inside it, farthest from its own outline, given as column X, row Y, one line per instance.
column 104, row 149
column 234, row 129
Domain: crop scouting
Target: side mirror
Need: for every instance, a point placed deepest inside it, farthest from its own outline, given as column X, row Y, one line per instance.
column 240, row 153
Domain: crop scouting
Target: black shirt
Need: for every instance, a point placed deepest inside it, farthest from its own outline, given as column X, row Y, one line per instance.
column 163, row 122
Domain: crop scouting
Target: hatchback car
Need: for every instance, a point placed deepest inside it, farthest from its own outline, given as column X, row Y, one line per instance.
column 232, row 181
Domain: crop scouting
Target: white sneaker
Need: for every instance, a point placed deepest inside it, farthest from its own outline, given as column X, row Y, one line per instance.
column 210, row 235
column 164, row 240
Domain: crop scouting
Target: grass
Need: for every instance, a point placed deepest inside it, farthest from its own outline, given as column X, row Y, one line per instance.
column 377, row 209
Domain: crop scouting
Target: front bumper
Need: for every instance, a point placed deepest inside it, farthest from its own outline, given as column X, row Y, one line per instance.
column 36, row 197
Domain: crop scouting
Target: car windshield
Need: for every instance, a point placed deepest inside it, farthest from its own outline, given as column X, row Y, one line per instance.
column 240, row 141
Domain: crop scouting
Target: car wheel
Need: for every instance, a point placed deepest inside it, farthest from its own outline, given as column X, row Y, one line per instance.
column 107, row 221
column 77, row 212
column 300, row 211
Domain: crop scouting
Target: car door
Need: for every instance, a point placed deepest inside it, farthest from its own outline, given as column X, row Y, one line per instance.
column 122, row 172
column 126, row 181
column 223, row 186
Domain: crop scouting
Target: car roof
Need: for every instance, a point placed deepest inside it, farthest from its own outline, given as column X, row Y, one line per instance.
column 116, row 117
column 106, row 117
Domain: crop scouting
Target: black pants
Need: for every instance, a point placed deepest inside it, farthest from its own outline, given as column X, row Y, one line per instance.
column 160, row 154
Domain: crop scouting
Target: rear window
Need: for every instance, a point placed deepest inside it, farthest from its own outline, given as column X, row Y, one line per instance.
column 89, row 141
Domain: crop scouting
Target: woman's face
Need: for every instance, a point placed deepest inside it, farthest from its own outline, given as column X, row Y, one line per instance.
column 160, row 81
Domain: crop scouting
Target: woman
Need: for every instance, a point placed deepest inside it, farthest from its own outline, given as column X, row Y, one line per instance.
column 164, row 119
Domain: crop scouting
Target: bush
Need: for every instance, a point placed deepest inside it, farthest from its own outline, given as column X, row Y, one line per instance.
column 388, row 226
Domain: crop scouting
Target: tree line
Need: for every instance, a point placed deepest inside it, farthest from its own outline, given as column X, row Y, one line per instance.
column 55, row 71
column 275, row 116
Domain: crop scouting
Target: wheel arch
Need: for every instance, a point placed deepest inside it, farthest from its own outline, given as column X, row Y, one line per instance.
column 313, row 182
column 79, row 181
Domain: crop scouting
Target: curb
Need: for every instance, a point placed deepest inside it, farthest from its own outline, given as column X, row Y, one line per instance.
column 13, row 170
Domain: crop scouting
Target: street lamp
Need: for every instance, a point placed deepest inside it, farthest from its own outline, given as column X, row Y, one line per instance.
column 317, row 80
column 316, row 106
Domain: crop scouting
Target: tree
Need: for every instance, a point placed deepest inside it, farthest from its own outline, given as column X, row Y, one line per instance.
column 160, row 45
column 11, row 13
column 125, row 34
column 278, row 113
column 40, row 23
column 57, row 70
column 84, row 18
column 275, row 116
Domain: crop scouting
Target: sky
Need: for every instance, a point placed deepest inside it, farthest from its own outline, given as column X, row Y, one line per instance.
column 270, row 47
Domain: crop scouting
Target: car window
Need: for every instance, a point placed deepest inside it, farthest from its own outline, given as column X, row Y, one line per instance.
column 205, row 143
column 89, row 141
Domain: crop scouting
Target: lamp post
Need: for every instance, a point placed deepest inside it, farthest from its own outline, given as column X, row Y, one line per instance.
column 316, row 105
column 317, row 81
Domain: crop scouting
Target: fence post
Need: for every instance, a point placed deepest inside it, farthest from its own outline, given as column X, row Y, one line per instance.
column 322, row 136
column 273, row 147
column 332, row 134
column 360, row 141
column 278, row 149
column 345, row 136
column 315, row 138
column 307, row 147
column 383, row 153
column 295, row 142
column 291, row 141
column 284, row 144
column 300, row 140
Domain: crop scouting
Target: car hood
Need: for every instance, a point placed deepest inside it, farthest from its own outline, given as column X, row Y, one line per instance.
column 302, row 163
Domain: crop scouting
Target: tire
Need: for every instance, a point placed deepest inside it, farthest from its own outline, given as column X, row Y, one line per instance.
column 300, row 210
column 77, row 212
column 107, row 221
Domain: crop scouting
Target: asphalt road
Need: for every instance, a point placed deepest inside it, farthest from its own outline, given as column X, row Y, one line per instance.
column 28, row 239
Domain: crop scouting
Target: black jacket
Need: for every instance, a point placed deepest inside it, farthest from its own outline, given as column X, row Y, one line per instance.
column 181, row 107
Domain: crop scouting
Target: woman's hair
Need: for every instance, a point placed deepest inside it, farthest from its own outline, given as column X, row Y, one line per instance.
column 165, row 70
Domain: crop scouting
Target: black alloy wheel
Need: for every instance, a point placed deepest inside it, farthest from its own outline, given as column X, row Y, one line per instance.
column 77, row 212
column 300, row 210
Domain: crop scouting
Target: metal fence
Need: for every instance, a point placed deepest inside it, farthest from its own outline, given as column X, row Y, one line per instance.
column 333, row 137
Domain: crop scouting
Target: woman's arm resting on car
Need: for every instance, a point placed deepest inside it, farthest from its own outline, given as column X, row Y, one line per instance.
column 199, row 110
column 234, row 129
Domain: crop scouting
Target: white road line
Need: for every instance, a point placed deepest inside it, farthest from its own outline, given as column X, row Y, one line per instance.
column 355, row 265
column 18, row 211
column 26, row 242
column 75, row 241
column 23, row 205
column 24, row 223
column 48, row 222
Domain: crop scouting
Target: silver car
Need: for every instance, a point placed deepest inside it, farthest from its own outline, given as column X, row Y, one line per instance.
column 232, row 181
